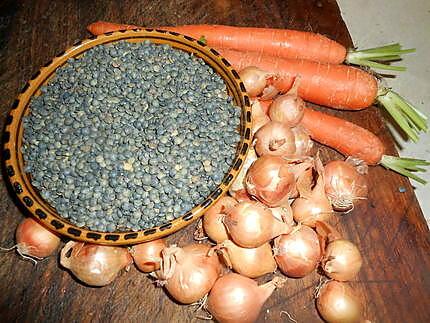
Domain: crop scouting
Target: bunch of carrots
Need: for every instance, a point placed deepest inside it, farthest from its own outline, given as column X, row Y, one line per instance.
column 326, row 78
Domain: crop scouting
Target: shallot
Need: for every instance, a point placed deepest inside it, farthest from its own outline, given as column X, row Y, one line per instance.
column 297, row 253
column 258, row 82
column 95, row 265
column 213, row 219
column 235, row 298
column 33, row 241
column 303, row 141
column 147, row 255
column 342, row 260
column 337, row 303
column 251, row 224
column 188, row 273
column 275, row 139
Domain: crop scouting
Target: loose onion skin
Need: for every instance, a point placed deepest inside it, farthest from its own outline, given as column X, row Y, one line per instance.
column 337, row 303
column 251, row 224
column 259, row 118
column 275, row 139
column 147, row 255
column 249, row 262
column 235, row 298
column 284, row 214
column 189, row 273
column 270, row 181
column 34, row 240
column 213, row 219
column 287, row 109
column 298, row 253
column 344, row 185
column 92, row 264
column 239, row 182
column 342, row 260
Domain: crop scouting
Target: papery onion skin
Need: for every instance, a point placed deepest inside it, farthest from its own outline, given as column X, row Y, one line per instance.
column 147, row 255
column 303, row 142
column 235, row 298
column 34, row 240
column 254, row 79
column 298, row 253
column 95, row 265
column 287, row 109
column 342, row 260
column 250, row 262
column 239, row 182
column 270, row 181
column 275, row 139
column 344, row 185
column 213, row 219
column 259, row 118
column 194, row 275
column 337, row 303
column 283, row 213
column 251, row 224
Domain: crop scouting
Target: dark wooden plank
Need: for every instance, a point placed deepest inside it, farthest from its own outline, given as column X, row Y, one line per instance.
column 389, row 227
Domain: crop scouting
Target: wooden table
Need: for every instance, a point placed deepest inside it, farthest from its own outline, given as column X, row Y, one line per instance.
column 389, row 228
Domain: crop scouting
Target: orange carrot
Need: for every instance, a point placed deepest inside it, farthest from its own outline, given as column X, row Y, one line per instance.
column 101, row 27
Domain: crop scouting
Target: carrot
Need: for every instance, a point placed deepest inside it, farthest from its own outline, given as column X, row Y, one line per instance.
column 281, row 43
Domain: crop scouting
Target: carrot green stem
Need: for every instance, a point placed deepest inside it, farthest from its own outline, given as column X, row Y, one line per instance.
column 372, row 56
column 405, row 166
column 409, row 118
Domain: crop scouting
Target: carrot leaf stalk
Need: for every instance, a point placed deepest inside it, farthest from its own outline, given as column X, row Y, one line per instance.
column 373, row 57
column 409, row 118
column 405, row 166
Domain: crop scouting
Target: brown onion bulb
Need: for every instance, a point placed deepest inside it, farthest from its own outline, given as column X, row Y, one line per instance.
column 235, row 298
column 147, row 255
column 189, row 273
column 213, row 219
column 249, row 262
column 95, row 265
column 298, row 253
column 275, row 139
column 337, row 303
column 303, row 142
column 344, row 185
column 342, row 260
column 239, row 182
column 287, row 109
column 255, row 80
column 270, row 181
column 251, row 224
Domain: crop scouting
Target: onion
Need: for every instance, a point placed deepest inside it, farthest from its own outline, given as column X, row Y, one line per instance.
column 238, row 183
column 288, row 108
column 92, row 264
column 342, row 260
column 251, row 224
column 188, row 273
column 250, row 262
column 213, row 219
column 34, row 241
column 235, row 298
column 298, row 253
column 270, row 181
column 344, row 185
column 259, row 118
column 275, row 139
column 256, row 81
column 314, row 205
column 147, row 255
column 337, row 303
column 303, row 142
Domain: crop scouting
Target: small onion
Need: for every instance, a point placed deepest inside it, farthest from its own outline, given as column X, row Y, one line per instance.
column 287, row 109
column 95, row 265
column 344, row 185
column 147, row 255
column 342, row 260
column 188, row 273
column 303, row 142
column 34, row 241
column 251, row 224
column 255, row 80
column 213, row 219
column 239, row 182
column 337, row 303
column 235, row 298
column 249, row 262
column 298, row 253
column 275, row 139
column 270, row 181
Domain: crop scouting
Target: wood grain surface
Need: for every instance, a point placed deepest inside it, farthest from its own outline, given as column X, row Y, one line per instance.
column 394, row 283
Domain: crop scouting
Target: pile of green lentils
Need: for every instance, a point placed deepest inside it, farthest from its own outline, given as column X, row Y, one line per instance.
column 129, row 136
